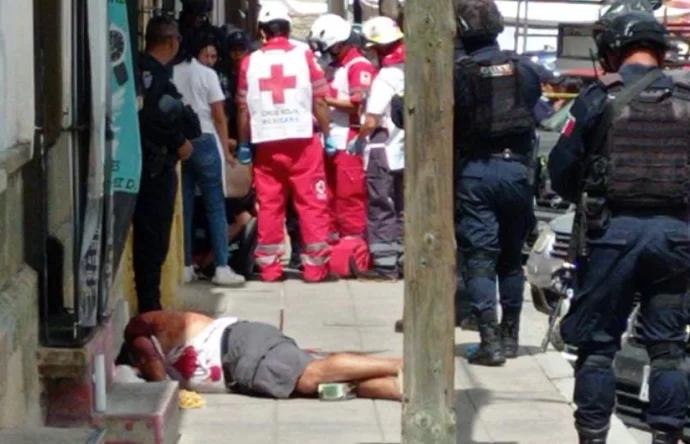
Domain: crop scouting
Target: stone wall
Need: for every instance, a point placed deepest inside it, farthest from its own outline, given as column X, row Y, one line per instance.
column 20, row 389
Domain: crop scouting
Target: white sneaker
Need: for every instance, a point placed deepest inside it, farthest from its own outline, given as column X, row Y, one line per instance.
column 189, row 274
column 227, row 277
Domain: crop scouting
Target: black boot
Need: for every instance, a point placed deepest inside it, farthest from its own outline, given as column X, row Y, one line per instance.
column 510, row 328
column 589, row 436
column 659, row 437
column 469, row 323
column 489, row 352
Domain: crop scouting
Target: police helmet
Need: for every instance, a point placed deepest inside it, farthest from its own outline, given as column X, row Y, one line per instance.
column 478, row 19
column 237, row 39
column 614, row 33
column 197, row 7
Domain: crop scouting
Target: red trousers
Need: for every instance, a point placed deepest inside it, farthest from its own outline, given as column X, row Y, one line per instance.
column 347, row 191
column 292, row 168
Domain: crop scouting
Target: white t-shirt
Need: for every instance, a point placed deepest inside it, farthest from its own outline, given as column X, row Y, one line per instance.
column 199, row 358
column 388, row 82
column 200, row 87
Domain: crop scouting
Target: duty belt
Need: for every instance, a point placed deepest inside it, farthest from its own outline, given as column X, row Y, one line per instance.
column 509, row 155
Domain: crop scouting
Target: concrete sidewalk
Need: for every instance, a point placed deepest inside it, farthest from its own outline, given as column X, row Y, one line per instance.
column 527, row 401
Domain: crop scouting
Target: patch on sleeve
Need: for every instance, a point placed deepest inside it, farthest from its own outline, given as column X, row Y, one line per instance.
column 569, row 126
column 147, row 79
column 365, row 78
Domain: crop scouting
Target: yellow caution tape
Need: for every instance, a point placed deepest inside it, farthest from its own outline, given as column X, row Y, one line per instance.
column 552, row 95
column 191, row 400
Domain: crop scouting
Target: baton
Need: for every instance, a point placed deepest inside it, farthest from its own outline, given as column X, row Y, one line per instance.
column 552, row 324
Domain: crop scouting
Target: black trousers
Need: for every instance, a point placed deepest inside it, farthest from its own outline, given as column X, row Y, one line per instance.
column 152, row 223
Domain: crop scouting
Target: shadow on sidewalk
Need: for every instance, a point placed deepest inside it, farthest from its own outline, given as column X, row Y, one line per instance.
column 467, row 403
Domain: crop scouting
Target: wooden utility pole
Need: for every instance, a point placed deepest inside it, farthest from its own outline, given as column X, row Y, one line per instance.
column 428, row 413
column 337, row 7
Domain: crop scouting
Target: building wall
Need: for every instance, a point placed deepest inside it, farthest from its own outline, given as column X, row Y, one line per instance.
column 19, row 382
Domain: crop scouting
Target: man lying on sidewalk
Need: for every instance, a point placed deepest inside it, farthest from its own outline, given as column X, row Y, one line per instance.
column 206, row 354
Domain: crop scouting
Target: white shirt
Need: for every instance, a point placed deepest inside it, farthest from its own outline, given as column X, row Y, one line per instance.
column 200, row 87
column 389, row 81
column 201, row 353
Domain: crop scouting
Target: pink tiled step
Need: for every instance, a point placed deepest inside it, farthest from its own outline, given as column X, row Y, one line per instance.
column 141, row 413
column 51, row 435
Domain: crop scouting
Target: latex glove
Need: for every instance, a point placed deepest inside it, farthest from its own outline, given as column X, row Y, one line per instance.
column 244, row 153
column 330, row 146
column 356, row 146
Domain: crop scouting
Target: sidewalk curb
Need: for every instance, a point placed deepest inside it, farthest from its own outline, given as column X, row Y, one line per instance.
column 560, row 374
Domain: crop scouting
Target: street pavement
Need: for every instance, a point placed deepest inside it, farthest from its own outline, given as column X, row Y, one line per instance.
column 527, row 401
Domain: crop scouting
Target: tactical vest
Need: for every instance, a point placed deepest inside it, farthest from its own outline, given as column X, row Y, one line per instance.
column 645, row 160
column 495, row 107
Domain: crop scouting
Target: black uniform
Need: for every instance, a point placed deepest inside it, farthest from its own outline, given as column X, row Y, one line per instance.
column 624, row 155
column 165, row 125
column 495, row 94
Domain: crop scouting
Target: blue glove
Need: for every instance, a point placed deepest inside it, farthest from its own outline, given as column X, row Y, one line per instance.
column 356, row 146
column 244, row 153
column 330, row 146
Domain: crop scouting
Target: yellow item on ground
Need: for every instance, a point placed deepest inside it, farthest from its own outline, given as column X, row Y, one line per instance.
column 191, row 400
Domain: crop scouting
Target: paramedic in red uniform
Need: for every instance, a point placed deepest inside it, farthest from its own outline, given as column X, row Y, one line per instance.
column 281, row 90
column 332, row 35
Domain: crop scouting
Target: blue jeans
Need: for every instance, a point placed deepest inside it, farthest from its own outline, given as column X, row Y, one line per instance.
column 646, row 255
column 494, row 214
column 204, row 169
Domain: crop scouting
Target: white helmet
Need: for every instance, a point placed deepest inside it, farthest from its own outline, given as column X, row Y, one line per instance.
column 328, row 30
column 381, row 31
column 274, row 11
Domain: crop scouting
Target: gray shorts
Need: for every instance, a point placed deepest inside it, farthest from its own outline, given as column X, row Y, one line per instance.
column 259, row 358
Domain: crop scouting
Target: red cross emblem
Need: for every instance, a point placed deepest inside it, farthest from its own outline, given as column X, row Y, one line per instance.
column 278, row 83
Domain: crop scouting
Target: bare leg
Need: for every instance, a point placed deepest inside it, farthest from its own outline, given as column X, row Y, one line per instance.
column 240, row 221
column 379, row 388
column 233, row 230
column 345, row 367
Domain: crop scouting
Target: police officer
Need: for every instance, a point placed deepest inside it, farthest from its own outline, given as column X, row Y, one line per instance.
column 238, row 45
column 194, row 24
column 624, row 154
column 495, row 95
column 166, row 129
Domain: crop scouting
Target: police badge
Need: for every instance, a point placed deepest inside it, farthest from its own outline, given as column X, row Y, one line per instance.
column 146, row 78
